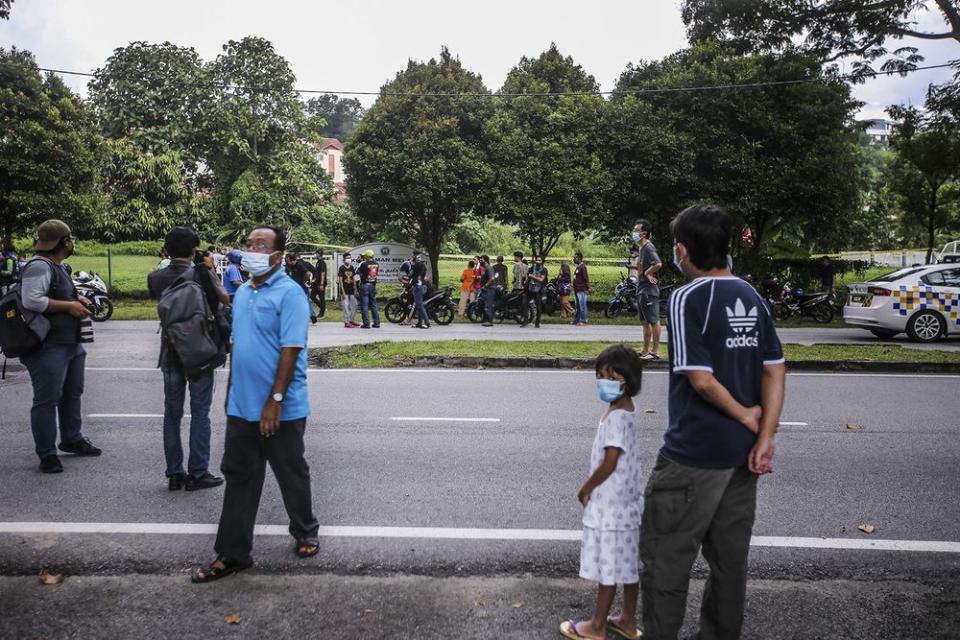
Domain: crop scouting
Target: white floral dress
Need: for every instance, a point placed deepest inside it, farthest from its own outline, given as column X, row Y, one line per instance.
column 609, row 553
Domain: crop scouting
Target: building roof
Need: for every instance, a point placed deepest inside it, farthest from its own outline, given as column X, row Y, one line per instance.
column 329, row 143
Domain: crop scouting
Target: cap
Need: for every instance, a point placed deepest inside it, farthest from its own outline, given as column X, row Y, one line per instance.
column 368, row 253
column 50, row 233
column 234, row 256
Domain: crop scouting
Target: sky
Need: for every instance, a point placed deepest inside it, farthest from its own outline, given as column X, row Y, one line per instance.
column 357, row 45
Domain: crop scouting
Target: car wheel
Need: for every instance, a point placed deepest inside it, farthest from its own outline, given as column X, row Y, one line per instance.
column 926, row 326
column 884, row 334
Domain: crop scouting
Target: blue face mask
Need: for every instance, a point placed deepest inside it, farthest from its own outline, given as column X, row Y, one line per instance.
column 609, row 390
column 635, row 236
column 257, row 264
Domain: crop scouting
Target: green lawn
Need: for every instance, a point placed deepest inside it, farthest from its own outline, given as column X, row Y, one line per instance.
column 389, row 354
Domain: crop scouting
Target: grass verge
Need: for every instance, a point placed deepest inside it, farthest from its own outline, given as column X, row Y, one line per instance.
column 394, row 354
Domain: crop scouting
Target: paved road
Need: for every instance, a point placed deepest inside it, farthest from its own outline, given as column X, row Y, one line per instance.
column 518, row 469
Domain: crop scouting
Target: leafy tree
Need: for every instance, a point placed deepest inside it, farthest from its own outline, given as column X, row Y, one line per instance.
column 49, row 149
column 145, row 193
column 422, row 161
column 5, row 9
column 781, row 158
column 925, row 174
column 827, row 29
column 550, row 177
column 339, row 115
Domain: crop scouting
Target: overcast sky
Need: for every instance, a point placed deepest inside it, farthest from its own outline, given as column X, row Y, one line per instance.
column 359, row 44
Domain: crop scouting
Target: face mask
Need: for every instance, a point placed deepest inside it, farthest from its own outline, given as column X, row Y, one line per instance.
column 676, row 259
column 609, row 390
column 256, row 263
column 347, row 261
column 635, row 236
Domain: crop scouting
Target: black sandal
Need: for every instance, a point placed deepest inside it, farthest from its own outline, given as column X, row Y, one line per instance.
column 212, row 573
column 301, row 544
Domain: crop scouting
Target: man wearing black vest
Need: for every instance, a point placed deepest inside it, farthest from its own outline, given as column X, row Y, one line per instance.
column 182, row 245
column 56, row 369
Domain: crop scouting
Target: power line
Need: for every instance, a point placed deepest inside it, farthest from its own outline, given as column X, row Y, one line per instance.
column 548, row 94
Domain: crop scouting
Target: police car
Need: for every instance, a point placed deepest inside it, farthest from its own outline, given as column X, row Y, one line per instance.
column 922, row 301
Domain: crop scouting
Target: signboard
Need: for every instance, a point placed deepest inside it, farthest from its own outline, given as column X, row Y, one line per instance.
column 389, row 256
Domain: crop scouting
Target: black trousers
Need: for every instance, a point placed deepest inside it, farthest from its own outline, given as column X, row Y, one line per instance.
column 538, row 305
column 245, row 457
column 320, row 300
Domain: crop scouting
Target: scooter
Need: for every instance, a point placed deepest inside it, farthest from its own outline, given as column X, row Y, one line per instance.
column 93, row 288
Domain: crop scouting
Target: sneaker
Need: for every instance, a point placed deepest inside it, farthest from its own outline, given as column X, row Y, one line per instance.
column 354, row 325
column 376, row 326
column 347, row 325
column 488, row 324
column 206, row 481
column 364, row 326
column 50, row 464
column 313, row 319
column 176, row 481
column 82, row 447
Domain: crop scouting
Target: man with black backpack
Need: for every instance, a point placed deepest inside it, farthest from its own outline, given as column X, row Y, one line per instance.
column 190, row 297
column 57, row 364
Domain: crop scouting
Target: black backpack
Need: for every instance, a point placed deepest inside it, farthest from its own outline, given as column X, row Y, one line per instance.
column 196, row 334
column 22, row 331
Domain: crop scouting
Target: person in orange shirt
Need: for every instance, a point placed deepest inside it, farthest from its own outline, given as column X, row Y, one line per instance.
column 466, row 286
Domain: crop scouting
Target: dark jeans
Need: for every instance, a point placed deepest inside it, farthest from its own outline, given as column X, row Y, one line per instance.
column 56, row 371
column 319, row 298
column 201, row 396
column 245, row 457
column 537, row 298
column 489, row 296
column 306, row 290
column 368, row 300
column 422, row 317
column 688, row 509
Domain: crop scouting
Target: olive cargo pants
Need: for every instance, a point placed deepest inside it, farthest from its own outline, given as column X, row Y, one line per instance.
column 686, row 509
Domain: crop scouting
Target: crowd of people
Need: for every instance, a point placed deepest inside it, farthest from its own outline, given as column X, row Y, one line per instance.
column 726, row 392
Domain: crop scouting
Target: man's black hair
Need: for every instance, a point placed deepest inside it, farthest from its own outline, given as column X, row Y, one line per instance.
column 518, row 254
column 471, row 265
column 625, row 361
column 578, row 255
column 645, row 226
column 485, row 259
column 499, row 258
column 181, row 242
column 279, row 237
column 705, row 230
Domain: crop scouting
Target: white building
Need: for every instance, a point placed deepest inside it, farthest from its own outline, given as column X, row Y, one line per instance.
column 330, row 155
column 879, row 130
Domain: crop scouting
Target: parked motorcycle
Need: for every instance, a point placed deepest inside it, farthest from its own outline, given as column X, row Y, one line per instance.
column 624, row 298
column 438, row 303
column 550, row 296
column 792, row 302
column 93, row 288
column 505, row 306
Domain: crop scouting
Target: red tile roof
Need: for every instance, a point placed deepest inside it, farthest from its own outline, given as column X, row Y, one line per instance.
column 330, row 143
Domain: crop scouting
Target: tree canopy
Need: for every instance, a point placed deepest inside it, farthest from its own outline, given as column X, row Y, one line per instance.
column 339, row 116
column 422, row 160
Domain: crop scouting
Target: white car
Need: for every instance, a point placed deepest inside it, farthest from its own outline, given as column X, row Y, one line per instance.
column 923, row 301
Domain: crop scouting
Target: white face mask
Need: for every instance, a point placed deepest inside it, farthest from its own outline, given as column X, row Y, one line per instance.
column 257, row 264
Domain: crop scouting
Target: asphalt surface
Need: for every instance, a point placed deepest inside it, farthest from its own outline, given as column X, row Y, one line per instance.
column 897, row 472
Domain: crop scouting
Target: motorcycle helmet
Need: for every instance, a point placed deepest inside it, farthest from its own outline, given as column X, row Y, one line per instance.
column 798, row 292
column 234, row 256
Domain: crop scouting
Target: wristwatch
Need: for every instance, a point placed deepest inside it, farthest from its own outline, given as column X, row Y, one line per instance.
column 277, row 397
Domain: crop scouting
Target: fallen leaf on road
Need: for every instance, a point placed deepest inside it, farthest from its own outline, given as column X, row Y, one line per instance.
column 650, row 411
column 867, row 528
column 481, row 602
column 50, row 578
column 517, row 605
column 233, row 618
column 853, row 426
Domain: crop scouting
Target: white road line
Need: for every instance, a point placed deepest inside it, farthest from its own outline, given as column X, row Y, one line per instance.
column 129, row 415
column 408, row 419
column 452, row 533
column 794, row 424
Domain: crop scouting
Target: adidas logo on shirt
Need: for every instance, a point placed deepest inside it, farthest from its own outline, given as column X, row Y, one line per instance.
column 742, row 322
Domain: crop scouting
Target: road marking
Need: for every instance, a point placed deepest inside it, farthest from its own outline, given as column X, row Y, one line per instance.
column 454, row 533
column 418, row 370
column 407, row 419
column 130, row 415
column 794, row 424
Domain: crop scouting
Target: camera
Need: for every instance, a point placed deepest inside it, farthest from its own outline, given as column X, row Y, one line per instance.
column 198, row 256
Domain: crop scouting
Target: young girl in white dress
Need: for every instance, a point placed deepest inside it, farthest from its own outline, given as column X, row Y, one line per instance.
column 612, row 499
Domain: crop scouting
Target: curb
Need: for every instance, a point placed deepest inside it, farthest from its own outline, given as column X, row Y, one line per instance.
column 475, row 362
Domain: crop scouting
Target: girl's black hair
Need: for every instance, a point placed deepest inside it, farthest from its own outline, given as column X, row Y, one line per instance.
column 625, row 361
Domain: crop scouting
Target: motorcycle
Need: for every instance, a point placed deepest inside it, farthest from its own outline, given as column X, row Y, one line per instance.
column 438, row 303
column 550, row 297
column 93, row 288
column 505, row 306
column 624, row 298
column 794, row 303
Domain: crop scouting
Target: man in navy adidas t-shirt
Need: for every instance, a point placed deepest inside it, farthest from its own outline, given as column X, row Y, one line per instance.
column 726, row 393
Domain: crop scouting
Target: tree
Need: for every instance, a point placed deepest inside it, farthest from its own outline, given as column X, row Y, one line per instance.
column 423, row 160
column 926, row 171
column 549, row 172
column 49, row 149
column 258, row 142
column 339, row 116
column 829, row 29
column 5, row 9
column 781, row 158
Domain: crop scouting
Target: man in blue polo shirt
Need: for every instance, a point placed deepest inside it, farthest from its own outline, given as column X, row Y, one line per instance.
column 726, row 392
column 267, row 407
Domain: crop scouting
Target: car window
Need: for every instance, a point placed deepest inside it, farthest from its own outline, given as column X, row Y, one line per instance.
column 945, row 278
column 896, row 275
